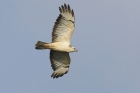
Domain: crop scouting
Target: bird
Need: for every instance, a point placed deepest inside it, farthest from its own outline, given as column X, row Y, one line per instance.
column 60, row 46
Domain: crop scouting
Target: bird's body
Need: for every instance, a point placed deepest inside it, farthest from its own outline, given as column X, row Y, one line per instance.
column 60, row 45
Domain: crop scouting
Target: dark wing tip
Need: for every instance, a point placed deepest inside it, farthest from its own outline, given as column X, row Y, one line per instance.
column 66, row 8
column 60, row 9
column 56, row 75
column 72, row 12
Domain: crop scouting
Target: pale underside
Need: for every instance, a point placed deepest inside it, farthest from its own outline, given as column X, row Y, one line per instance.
column 62, row 32
column 60, row 46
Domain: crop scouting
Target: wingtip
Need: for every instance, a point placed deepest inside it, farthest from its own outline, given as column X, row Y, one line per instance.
column 65, row 8
column 57, row 75
column 53, row 75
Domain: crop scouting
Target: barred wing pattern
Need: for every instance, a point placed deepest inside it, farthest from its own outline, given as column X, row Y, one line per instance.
column 62, row 32
column 61, row 35
column 64, row 25
column 60, row 62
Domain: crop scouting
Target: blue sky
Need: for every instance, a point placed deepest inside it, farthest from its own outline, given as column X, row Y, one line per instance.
column 107, row 36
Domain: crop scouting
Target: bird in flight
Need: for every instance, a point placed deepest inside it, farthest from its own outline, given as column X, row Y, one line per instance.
column 60, row 45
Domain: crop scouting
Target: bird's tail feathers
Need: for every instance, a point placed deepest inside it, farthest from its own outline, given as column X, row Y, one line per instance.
column 41, row 45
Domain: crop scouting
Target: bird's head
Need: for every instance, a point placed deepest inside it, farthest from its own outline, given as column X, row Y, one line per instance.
column 73, row 49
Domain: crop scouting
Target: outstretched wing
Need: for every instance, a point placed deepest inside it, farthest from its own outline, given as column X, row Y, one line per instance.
column 64, row 25
column 60, row 62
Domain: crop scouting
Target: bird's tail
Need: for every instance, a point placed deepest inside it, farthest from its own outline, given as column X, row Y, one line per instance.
column 41, row 45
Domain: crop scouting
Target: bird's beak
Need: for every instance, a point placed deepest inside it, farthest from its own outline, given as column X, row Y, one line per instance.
column 76, row 50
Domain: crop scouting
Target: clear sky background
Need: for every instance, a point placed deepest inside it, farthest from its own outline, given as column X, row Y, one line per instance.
column 107, row 36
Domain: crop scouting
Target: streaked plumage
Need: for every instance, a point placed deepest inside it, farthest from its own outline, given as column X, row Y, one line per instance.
column 60, row 46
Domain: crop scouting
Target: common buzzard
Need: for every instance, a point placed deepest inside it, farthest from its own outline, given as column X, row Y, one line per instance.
column 60, row 45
